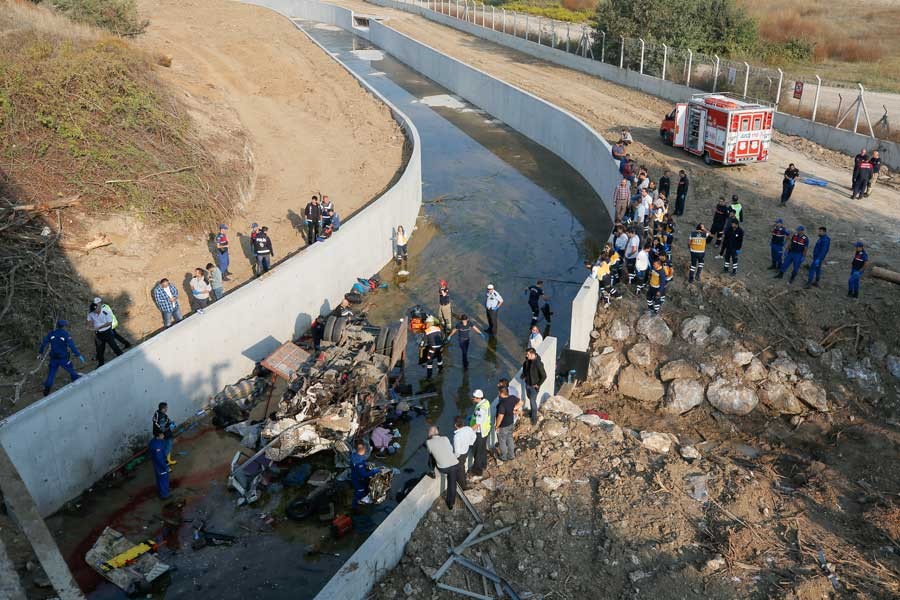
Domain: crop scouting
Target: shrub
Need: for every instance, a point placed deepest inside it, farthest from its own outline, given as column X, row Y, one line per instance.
column 118, row 16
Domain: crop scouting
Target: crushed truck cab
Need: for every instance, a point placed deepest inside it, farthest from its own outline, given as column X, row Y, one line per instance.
column 720, row 129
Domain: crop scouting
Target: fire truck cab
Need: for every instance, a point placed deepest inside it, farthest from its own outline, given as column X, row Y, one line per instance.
column 720, row 129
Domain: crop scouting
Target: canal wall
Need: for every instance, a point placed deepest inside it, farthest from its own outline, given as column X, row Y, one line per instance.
column 65, row 442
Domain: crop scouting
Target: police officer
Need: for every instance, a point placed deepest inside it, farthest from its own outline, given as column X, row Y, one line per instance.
column 535, row 295
column 434, row 346
column 720, row 215
column 262, row 248
column 160, row 466
column 820, row 251
column 856, row 160
column 681, row 192
column 796, row 253
column 656, row 286
column 445, row 308
column 860, row 260
column 731, row 246
column 776, row 244
column 492, row 303
column 697, row 246
column 664, row 184
column 313, row 216
column 60, row 342
column 222, row 259
column 163, row 424
column 861, row 181
column 481, row 423
column 787, row 184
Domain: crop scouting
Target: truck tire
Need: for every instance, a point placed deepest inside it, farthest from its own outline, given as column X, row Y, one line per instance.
column 329, row 327
column 379, row 341
column 707, row 159
column 338, row 329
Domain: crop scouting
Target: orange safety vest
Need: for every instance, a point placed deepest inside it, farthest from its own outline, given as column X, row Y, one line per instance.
column 613, row 258
column 600, row 271
column 668, row 271
column 654, row 278
column 698, row 242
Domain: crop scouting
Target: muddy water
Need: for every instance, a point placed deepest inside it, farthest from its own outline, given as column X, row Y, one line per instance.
column 498, row 209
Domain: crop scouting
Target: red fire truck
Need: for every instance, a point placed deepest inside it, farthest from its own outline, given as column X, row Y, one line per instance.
column 720, row 129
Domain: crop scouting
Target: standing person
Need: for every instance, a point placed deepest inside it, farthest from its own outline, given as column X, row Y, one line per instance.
column 534, row 375
column 787, row 184
column 681, row 192
column 731, row 244
column 360, row 474
column 860, row 260
column 115, row 322
column 262, row 248
column 737, row 207
column 641, row 267
column 445, row 308
column 856, row 160
column 631, row 251
column 254, row 229
column 697, row 246
column 720, row 215
column 163, row 424
column 60, row 342
column 656, row 286
column 463, row 439
column 621, row 198
column 481, row 423
column 863, row 176
column 215, row 281
column 100, row 323
column 665, row 184
column 731, row 218
column 434, row 347
column 327, row 208
column 160, row 467
column 796, row 253
column 876, row 169
column 222, row 258
column 463, row 328
column 820, row 251
column 508, row 409
column 312, row 214
column 492, row 303
column 776, row 244
column 535, row 295
column 535, row 338
column 200, row 290
column 165, row 295
column 402, row 243
column 441, row 451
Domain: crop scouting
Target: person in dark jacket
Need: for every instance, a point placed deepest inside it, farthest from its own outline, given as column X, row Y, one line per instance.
column 664, row 185
column 720, row 215
column 681, row 192
column 795, row 254
column 60, row 342
column 731, row 244
column 360, row 474
column 856, row 160
column 820, row 251
column 262, row 248
column 163, row 424
column 313, row 216
column 876, row 169
column 534, row 375
column 787, row 184
column 863, row 177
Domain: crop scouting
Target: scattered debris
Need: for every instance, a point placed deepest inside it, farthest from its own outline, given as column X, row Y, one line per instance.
column 129, row 566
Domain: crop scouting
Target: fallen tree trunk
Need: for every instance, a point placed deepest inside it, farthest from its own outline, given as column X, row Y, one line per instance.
column 51, row 205
column 887, row 275
column 97, row 242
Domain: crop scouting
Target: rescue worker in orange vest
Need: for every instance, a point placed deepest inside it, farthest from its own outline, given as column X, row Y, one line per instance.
column 434, row 346
column 697, row 246
column 656, row 287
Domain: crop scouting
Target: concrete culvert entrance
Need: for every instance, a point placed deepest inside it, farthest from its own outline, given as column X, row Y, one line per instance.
column 499, row 209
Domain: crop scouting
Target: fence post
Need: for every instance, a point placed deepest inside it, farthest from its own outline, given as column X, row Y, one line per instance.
column 622, row 52
column 746, row 78
column 587, row 41
column 716, row 74
column 642, row 55
column 816, row 101
column 483, row 15
column 859, row 105
column 456, row 15
column 493, row 18
column 778, row 91
column 603, row 47
column 553, row 36
column 526, row 27
column 567, row 36
column 690, row 62
column 515, row 24
column 665, row 61
column 540, row 30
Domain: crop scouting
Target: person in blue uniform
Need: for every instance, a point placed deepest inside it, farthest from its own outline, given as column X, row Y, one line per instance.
column 160, row 466
column 464, row 329
column 796, row 253
column 820, row 251
column 222, row 258
column 360, row 474
column 535, row 295
column 860, row 260
column 779, row 234
column 60, row 342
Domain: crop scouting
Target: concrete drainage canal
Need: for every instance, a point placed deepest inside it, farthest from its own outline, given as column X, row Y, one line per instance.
column 498, row 209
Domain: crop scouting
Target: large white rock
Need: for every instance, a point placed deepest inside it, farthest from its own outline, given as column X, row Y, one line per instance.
column 693, row 330
column 678, row 369
column 812, row 394
column 731, row 397
column 614, row 432
column 779, row 398
column 683, row 395
column 655, row 329
column 756, row 371
column 657, row 442
column 636, row 384
column 641, row 354
column 742, row 358
column 604, row 368
column 558, row 404
column 785, row 366
column 619, row 330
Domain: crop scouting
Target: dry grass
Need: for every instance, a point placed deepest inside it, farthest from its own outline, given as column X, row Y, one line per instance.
column 22, row 15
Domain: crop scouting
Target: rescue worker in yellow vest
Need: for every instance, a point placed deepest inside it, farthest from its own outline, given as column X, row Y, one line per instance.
column 656, row 288
column 697, row 246
column 434, row 346
column 601, row 272
column 481, row 423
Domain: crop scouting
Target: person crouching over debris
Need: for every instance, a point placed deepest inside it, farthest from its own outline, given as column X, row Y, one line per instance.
column 463, row 439
column 160, row 466
column 381, row 440
column 442, row 452
column 434, row 343
column 360, row 474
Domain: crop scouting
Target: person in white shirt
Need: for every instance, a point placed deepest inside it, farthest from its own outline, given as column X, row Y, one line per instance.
column 402, row 243
column 200, row 289
column 646, row 204
column 535, row 338
column 492, row 303
column 442, row 452
column 463, row 438
column 621, row 239
column 101, row 323
column 631, row 251
column 641, row 264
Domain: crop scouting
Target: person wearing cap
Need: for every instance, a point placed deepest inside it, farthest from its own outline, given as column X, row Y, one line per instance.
column 312, row 214
column 534, row 375
column 463, row 439
column 262, row 249
column 731, row 246
column 492, row 303
column 115, row 322
column 796, row 253
column 481, row 423
column 61, row 343
column 860, row 260
column 100, row 323
column 165, row 295
column 862, row 178
column 787, row 184
column 464, row 328
column 215, row 281
column 445, row 460
column 820, row 251
column 697, row 246
column 445, row 312
column 222, row 251
column 776, row 244
column 681, row 192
